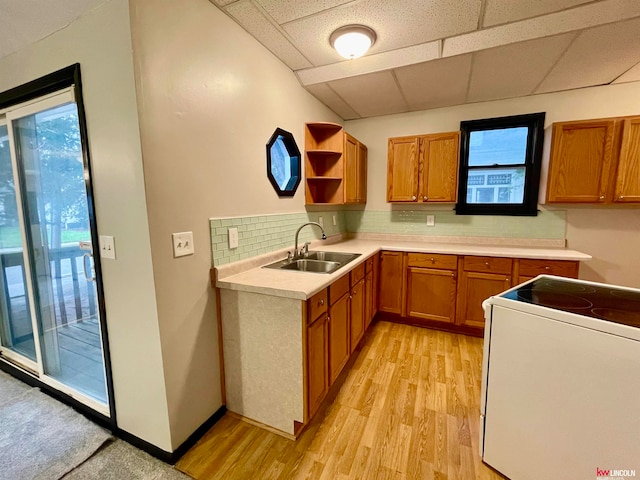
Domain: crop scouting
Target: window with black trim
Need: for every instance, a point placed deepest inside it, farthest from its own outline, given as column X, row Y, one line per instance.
column 500, row 161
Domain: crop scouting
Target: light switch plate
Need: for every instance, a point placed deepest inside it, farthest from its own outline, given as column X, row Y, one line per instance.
column 182, row 244
column 334, row 221
column 233, row 237
column 107, row 247
column 321, row 221
column 431, row 220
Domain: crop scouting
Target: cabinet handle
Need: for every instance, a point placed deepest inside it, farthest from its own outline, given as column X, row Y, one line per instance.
column 547, row 268
column 414, row 198
column 425, row 198
column 321, row 302
column 354, row 293
column 620, row 197
column 328, row 318
column 486, row 263
column 601, row 197
column 433, row 260
column 507, row 279
column 453, row 275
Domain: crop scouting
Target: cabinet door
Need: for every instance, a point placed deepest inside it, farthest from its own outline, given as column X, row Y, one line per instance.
column 338, row 337
column 581, row 158
column 368, row 299
column 376, row 276
column 402, row 169
column 362, row 173
column 473, row 289
column 357, row 313
column 439, row 174
column 350, row 169
column 431, row 294
column 390, row 296
column 627, row 187
column 317, row 363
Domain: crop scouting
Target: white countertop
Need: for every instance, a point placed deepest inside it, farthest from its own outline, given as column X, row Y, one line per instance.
column 303, row 285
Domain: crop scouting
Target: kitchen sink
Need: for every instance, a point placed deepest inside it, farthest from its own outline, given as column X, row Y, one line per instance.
column 316, row 262
column 317, row 266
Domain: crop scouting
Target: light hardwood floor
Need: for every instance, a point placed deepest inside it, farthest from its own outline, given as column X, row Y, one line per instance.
column 408, row 409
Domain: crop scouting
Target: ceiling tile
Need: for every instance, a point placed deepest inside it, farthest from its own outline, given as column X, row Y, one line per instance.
column 257, row 25
column 591, row 15
column 435, row 84
column 371, row 95
column 331, row 99
column 398, row 23
column 283, row 11
column 514, row 70
column 503, row 11
column 631, row 75
column 598, row 56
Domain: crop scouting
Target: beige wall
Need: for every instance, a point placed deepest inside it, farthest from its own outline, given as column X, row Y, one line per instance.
column 209, row 98
column 101, row 42
column 610, row 235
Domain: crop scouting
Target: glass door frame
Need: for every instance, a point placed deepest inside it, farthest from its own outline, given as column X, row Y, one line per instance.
column 41, row 94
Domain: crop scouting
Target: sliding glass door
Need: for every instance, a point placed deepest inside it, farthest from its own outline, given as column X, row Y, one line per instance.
column 51, row 320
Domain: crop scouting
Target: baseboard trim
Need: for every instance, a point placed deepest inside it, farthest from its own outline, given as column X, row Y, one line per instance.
column 172, row 457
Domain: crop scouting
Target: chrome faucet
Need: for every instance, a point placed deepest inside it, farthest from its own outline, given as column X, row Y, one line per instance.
column 299, row 254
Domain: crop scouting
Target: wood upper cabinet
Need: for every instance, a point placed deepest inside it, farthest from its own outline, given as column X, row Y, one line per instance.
column 335, row 165
column 627, row 181
column 357, row 308
column 439, row 175
column 423, row 168
column 317, row 362
column 595, row 161
column 402, row 169
column 391, row 279
column 580, row 161
column 480, row 278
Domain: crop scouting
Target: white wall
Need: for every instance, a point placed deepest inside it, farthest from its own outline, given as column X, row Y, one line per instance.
column 209, row 98
column 100, row 41
column 610, row 235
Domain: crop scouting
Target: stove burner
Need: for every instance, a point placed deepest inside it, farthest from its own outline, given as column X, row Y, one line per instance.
column 626, row 295
column 549, row 298
column 565, row 287
column 626, row 317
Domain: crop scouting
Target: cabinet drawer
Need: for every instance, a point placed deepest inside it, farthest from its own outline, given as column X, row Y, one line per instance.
column 316, row 305
column 369, row 265
column 357, row 274
column 432, row 260
column 338, row 288
column 488, row 265
column 562, row 268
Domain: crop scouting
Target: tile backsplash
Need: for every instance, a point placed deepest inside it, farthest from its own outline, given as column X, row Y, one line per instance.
column 265, row 233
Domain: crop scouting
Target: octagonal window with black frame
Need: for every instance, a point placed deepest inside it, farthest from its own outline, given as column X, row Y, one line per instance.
column 283, row 163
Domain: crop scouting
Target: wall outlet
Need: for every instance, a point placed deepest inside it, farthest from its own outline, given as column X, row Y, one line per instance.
column 431, row 220
column 233, row 237
column 107, row 247
column 335, row 221
column 182, row 244
column 321, row 221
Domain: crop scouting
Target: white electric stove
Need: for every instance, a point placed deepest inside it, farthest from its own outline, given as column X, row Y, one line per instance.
column 561, row 381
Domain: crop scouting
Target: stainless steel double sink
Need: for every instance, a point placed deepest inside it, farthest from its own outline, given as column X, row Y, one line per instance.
column 316, row 262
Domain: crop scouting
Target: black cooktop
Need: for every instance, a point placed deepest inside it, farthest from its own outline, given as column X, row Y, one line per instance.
column 605, row 302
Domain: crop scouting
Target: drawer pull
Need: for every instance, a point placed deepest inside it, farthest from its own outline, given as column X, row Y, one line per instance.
column 486, row 263
column 433, row 260
column 547, row 268
column 321, row 302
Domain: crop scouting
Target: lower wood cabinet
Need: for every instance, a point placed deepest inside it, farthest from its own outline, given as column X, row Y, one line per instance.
column 431, row 294
column 357, row 300
column 391, row 279
column 339, row 330
column 473, row 289
column 317, row 362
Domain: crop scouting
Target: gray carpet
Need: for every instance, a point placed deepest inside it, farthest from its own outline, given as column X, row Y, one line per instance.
column 117, row 460
column 40, row 438
column 43, row 439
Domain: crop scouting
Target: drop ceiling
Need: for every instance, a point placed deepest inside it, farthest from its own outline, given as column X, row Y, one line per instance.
column 438, row 53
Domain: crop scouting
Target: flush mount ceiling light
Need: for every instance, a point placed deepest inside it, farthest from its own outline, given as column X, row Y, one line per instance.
column 352, row 41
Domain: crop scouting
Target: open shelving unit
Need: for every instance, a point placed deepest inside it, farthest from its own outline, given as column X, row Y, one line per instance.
column 324, row 163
